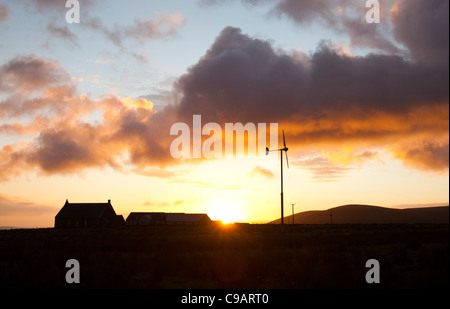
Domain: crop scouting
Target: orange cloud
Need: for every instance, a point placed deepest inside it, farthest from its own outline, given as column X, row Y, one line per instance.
column 347, row 156
column 426, row 155
column 10, row 205
column 321, row 168
column 259, row 171
column 138, row 103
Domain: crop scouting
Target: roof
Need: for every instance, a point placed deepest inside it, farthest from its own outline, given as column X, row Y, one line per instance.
column 86, row 210
column 182, row 217
column 168, row 217
column 155, row 216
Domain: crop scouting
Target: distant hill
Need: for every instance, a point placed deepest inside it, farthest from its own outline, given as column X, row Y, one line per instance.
column 366, row 214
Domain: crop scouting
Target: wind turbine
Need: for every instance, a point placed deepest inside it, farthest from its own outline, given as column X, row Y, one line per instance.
column 285, row 149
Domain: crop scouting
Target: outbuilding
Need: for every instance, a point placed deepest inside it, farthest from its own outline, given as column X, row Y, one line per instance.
column 161, row 218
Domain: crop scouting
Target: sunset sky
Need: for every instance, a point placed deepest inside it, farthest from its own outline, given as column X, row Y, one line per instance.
column 86, row 109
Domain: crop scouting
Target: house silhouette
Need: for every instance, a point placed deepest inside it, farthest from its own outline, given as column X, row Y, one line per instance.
column 88, row 215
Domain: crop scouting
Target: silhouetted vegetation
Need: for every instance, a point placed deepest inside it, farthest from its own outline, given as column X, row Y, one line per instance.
column 247, row 256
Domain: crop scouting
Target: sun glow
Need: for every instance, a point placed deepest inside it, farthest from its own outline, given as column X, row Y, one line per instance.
column 225, row 209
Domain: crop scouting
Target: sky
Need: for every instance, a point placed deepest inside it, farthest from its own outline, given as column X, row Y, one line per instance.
column 86, row 109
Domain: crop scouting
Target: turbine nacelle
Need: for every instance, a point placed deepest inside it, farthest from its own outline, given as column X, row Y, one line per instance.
column 285, row 149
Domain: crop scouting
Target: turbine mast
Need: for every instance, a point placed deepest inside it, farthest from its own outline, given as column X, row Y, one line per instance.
column 285, row 149
column 282, row 199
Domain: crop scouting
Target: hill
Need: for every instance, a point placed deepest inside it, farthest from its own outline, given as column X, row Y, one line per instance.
column 366, row 214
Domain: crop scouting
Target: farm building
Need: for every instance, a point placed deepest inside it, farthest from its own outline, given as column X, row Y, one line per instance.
column 88, row 215
column 160, row 218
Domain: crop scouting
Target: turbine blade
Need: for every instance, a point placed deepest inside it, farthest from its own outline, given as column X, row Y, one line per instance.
column 287, row 160
column 284, row 140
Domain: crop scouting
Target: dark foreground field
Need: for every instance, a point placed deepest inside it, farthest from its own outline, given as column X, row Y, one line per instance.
column 253, row 256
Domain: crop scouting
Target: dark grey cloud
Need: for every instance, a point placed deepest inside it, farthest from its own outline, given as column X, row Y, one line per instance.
column 244, row 78
column 63, row 32
column 30, row 73
column 306, row 11
column 342, row 16
column 63, row 149
column 423, row 27
column 164, row 25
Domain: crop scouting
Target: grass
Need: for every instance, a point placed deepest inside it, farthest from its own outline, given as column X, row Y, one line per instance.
column 253, row 256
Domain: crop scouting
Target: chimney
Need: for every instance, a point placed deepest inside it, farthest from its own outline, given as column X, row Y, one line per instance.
column 67, row 201
column 109, row 201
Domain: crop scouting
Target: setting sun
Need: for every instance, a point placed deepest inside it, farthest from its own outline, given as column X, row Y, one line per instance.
column 225, row 209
